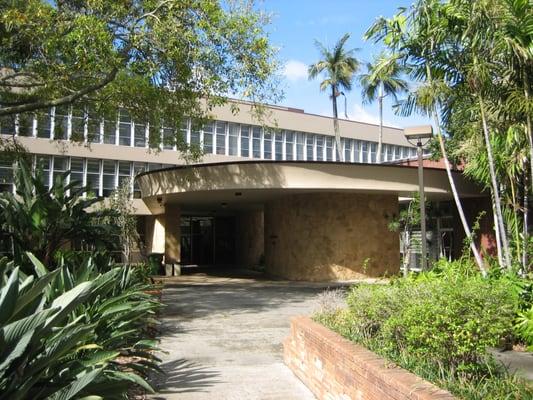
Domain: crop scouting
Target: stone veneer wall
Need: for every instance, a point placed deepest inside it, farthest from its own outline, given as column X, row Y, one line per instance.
column 331, row 236
column 250, row 238
column 172, row 234
column 334, row 368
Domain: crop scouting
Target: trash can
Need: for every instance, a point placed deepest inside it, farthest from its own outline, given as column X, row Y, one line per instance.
column 155, row 260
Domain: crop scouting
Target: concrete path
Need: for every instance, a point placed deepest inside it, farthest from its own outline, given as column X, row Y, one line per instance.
column 224, row 338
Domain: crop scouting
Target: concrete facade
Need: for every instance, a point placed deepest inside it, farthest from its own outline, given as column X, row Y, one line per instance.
column 331, row 236
column 172, row 234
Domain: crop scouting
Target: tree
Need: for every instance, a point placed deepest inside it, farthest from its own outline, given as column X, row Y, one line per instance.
column 382, row 79
column 162, row 60
column 472, row 62
column 413, row 39
column 339, row 66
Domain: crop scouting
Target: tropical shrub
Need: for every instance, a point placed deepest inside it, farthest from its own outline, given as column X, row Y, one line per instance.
column 43, row 220
column 73, row 333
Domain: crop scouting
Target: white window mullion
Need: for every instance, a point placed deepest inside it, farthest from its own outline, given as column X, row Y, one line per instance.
column 101, row 178
column 52, row 122
column 69, row 123
column 188, row 134
column 226, row 139
column 147, row 135
column 34, row 126
column 239, row 140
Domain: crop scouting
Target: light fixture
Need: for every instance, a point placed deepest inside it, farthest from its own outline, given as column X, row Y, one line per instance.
column 224, row 205
column 238, row 194
column 419, row 133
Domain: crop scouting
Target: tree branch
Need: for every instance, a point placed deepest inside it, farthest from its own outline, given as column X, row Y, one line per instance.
column 60, row 101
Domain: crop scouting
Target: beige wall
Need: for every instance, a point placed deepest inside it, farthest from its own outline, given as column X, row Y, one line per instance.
column 154, row 233
column 172, row 234
column 331, row 236
column 250, row 239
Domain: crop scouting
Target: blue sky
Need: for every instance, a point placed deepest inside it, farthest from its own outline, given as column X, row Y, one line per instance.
column 295, row 26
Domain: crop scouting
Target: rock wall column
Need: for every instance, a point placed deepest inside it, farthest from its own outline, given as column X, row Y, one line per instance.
column 172, row 234
column 331, row 236
column 249, row 237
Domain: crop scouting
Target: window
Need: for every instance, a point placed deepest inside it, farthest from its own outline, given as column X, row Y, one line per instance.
column 347, row 145
column 43, row 168
column 208, row 138
column 329, row 148
column 153, row 166
column 124, row 128
column 300, row 145
column 256, row 143
column 61, row 123
column 6, row 174
column 60, row 166
column 413, row 152
column 245, row 141
column 289, row 145
column 76, row 172
column 124, row 171
column 233, row 139
column 94, row 125
column 195, row 135
column 77, row 125
column 220, row 137
column 93, row 177
column 364, row 147
column 373, row 150
column 7, row 125
column 389, row 152
column 396, row 152
column 110, row 131
column 25, row 124
column 182, row 138
column 108, row 177
column 169, row 139
column 139, row 135
column 320, row 148
column 278, row 146
column 137, row 169
column 356, row 151
column 309, row 146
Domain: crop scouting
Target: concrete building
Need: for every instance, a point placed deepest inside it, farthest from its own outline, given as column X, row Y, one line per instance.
column 270, row 193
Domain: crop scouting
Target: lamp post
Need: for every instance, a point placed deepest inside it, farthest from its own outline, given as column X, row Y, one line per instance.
column 418, row 134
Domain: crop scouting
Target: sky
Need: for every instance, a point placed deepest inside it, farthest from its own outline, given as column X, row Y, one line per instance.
column 295, row 26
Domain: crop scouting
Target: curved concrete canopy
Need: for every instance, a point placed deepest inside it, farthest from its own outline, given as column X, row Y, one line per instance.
column 249, row 183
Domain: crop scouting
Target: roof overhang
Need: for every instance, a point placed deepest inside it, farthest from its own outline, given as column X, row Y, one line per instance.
column 249, row 183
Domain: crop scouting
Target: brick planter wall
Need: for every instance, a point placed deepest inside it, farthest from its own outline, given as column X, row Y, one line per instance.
column 334, row 368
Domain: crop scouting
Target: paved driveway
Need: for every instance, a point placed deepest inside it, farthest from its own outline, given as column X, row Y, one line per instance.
column 224, row 338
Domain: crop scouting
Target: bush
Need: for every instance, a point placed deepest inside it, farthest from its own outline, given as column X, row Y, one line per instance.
column 439, row 325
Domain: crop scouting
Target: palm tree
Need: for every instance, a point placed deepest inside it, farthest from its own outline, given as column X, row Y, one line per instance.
column 340, row 66
column 382, row 79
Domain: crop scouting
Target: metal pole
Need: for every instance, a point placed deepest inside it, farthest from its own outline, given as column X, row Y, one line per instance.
column 423, row 259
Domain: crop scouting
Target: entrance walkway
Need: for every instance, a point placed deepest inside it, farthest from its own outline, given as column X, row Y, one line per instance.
column 224, row 338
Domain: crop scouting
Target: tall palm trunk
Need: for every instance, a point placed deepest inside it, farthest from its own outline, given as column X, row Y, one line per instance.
column 456, row 198
column 495, row 187
column 525, row 228
column 380, row 138
column 340, row 153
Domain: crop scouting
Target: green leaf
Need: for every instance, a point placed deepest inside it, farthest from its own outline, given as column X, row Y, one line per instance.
column 19, row 349
column 68, row 392
column 8, row 296
column 128, row 376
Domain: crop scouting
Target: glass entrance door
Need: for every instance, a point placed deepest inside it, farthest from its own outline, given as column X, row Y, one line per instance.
column 197, row 246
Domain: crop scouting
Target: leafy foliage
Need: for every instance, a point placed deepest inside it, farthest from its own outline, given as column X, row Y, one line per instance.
column 43, row 220
column 74, row 332
column 438, row 324
column 157, row 58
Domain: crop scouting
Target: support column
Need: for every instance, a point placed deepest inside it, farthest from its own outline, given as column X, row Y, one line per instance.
column 172, row 234
column 331, row 236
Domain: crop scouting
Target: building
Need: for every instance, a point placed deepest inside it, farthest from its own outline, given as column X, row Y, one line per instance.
column 261, row 195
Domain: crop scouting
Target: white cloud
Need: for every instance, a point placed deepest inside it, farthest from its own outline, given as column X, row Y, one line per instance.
column 295, row 70
column 358, row 113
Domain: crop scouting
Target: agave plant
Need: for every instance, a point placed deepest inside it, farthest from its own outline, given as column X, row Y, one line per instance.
column 73, row 334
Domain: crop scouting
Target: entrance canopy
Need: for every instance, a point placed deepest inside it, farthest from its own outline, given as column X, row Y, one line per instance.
column 242, row 184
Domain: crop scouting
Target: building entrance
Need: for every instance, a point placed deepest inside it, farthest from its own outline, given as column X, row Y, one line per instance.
column 207, row 240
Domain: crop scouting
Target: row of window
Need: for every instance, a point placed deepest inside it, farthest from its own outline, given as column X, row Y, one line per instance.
column 102, row 176
column 219, row 137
